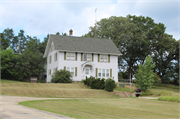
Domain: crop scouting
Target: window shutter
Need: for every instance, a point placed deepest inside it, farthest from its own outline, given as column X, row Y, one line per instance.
column 64, row 55
column 110, row 72
column 81, row 56
column 108, row 58
column 64, row 67
column 96, row 71
column 92, row 57
column 76, row 56
column 98, row 57
column 75, row 71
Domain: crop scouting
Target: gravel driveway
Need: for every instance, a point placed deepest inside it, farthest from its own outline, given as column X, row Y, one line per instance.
column 9, row 109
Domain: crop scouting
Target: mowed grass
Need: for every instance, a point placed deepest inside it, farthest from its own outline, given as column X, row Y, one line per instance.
column 158, row 89
column 52, row 90
column 108, row 108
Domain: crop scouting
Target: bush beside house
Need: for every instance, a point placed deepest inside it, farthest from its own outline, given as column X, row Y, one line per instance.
column 97, row 83
column 61, row 76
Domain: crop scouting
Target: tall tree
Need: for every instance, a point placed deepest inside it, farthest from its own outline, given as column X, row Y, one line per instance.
column 6, row 37
column 22, row 40
column 31, row 62
column 127, row 37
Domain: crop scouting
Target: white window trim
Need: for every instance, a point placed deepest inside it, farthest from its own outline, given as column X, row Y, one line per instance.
column 103, row 58
column 71, row 70
column 100, row 71
column 70, row 56
column 88, row 55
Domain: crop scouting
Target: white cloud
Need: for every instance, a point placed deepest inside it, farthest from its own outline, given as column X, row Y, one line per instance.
column 40, row 18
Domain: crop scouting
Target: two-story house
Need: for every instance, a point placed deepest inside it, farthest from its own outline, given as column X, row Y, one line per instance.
column 82, row 57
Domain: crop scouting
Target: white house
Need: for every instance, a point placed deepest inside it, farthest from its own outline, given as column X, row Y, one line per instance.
column 82, row 57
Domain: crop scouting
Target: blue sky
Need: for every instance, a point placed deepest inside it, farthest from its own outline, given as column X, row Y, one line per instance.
column 41, row 17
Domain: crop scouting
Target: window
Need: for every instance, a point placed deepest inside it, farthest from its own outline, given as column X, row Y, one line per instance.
column 49, row 71
column 87, row 57
column 103, row 72
column 53, row 70
column 55, row 57
column 70, row 56
column 51, row 49
column 87, row 71
column 56, row 68
column 107, row 72
column 71, row 70
column 99, row 72
column 49, row 59
column 103, row 58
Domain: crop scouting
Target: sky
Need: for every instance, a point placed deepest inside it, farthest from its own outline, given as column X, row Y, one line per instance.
column 41, row 17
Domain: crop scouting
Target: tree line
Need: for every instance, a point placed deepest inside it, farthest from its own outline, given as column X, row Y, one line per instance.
column 137, row 37
column 22, row 56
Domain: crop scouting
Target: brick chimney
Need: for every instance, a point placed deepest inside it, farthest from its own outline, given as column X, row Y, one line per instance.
column 70, row 32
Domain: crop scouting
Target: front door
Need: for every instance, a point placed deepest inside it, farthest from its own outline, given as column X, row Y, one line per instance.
column 87, row 72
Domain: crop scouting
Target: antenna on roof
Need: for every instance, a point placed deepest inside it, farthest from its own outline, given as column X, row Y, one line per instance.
column 95, row 21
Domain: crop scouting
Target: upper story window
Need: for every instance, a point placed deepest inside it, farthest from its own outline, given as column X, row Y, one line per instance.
column 52, row 48
column 55, row 57
column 103, row 58
column 49, row 59
column 70, row 56
column 87, row 57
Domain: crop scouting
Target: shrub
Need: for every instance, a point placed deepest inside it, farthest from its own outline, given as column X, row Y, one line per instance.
column 88, row 80
column 95, row 83
column 110, row 84
column 61, row 76
column 165, row 94
column 169, row 98
column 146, row 93
column 41, row 81
column 102, row 83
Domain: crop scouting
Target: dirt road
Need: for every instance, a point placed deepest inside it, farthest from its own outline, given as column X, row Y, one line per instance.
column 9, row 109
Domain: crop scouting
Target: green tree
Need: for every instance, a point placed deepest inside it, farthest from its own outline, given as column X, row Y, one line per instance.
column 144, row 75
column 126, row 35
column 31, row 62
column 22, row 40
column 8, row 62
column 6, row 37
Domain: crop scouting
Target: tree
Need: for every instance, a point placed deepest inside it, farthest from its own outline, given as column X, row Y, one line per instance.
column 8, row 62
column 22, row 40
column 6, row 37
column 144, row 75
column 126, row 35
column 31, row 62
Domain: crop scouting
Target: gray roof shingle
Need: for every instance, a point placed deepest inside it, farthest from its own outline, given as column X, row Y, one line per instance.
column 83, row 44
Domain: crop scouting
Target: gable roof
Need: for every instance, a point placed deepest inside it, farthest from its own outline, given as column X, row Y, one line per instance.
column 81, row 44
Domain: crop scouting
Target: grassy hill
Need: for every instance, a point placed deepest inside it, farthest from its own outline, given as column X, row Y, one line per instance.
column 52, row 90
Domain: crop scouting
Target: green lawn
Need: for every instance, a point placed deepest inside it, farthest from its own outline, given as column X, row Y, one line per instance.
column 108, row 108
column 157, row 89
column 52, row 90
